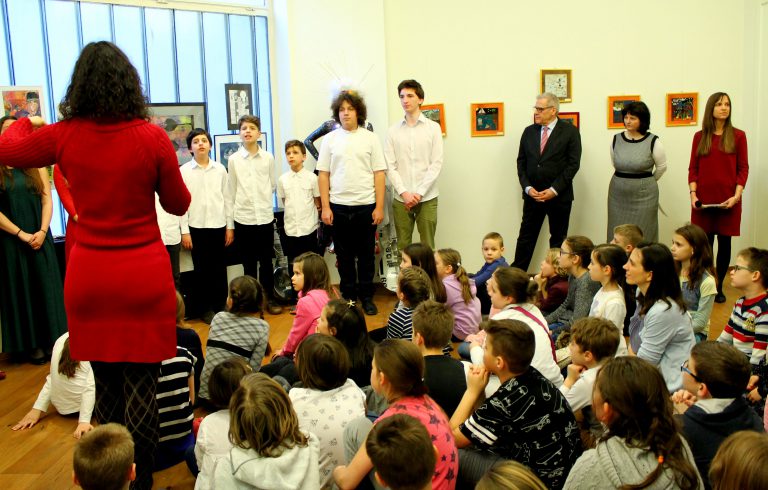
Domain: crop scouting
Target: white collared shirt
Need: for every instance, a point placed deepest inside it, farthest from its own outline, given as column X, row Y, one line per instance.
column 252, row 184
column 351, row 158
column 169, row 224
column 211, row 205
column 414, row 157
column 298, row 191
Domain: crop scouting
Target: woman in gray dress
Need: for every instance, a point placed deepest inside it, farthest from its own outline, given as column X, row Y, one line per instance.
column 639, row 160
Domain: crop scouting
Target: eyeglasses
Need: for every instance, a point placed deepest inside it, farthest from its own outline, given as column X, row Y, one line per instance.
column 684, row 368
column 564, row 252
column 542, row 109
column 737, row 268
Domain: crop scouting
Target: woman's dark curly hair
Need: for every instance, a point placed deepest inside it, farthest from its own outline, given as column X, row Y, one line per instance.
column 104, row 85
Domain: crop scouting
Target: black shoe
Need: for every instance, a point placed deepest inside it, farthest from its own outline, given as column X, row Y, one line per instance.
column 369, row 307
column 720, row 298
column 37, row 357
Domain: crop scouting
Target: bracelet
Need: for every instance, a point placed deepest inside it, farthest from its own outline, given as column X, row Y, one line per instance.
column 17, row 233
column 44, row 231
column 692, row 192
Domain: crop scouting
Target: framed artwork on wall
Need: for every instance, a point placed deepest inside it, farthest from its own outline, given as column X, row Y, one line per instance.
column 239, row 102
column 177, row 120
column 23, row 101
column 487, row 119
column 570, row 118
column 683, row 109
column 615, row 105
column 435, row 112
column 558, row 82
column 227, row 144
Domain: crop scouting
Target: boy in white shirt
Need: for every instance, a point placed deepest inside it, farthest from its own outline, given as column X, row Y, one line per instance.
column 301, row 200
column 252, row 182
column 351, row 180
column 414, row 154
column 207, row 226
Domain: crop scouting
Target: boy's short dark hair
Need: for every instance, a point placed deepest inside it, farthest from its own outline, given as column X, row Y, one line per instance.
column 298, row 144
column 434, row 322
column 103, row 458
column 355, row 100
column 596, row 335
column 197, row 132
column 401, row 451
column 513, row 341
column 757, row 260
column 225, row 379
column 723, row 368
column 322, row 362
column 632, row 233
column 249, row 118
column 412, row 84
column 494, row 236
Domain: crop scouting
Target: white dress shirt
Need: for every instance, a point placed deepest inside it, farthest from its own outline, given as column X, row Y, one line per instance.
column 170, row 225
column 68, row 395
column 351, row 157
column 414, row 157
column 211, row 205
column 252, row 184
column 298, row 191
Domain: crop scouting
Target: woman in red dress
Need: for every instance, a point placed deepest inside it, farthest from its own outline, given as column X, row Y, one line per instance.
column 717, row 175
column 62, row 188
column 118, row 292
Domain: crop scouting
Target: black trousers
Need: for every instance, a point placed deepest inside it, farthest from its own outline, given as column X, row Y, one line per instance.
column 297, row 245
column 210, row 267
column 173, row 254
column 354, row 238
column 256, row 247
column 559, row 214
column 126, row 393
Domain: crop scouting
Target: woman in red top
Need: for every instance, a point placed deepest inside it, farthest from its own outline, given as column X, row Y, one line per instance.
column 717, row 175
column 62, row 188
column 118, row 292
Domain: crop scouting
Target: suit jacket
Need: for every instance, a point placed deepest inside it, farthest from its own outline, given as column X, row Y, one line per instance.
column 557, row 166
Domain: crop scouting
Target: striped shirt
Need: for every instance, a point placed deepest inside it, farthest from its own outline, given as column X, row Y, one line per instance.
column 747, row 328
column 399, row 325
column 173, row 395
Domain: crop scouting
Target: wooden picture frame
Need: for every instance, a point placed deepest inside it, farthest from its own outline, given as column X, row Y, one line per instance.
column 615, row 104
column 435, row 112
column 20, row 100
column 683, row 109
column 570, row 118
column 559, row 82
column 487, row 119
column 226, row 144
column 239, row 97
column 177, row 120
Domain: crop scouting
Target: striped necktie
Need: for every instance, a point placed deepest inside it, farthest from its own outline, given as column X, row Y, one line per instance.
column 544, row 137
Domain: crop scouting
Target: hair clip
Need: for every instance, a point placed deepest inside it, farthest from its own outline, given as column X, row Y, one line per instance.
column 458, row 264
column 661, row 459
column 351, row 303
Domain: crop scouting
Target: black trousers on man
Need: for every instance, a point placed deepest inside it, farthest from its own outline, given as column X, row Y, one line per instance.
column 559, row 214
column 354, row 238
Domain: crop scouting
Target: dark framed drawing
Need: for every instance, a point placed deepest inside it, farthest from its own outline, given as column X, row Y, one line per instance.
column 239, row 102
column 435, row 112
column 683, row 109
column 570, row 118
column 24, row 101
column 177, row 120
column 615, row 105
column 487, row 119
column 558, row 82
column 227, row 144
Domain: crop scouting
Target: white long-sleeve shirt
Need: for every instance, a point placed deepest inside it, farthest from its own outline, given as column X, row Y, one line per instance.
column 211, row 205
column 414, row 156
column 68, row 395
column 252, row 184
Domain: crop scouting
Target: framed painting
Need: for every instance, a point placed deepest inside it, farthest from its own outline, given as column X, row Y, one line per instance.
column 616, row 104
column 570, row 118
column 177, row 120
column 239, row 102
column 683, row 109
column 558, row 82
column 24, row 101
column 227, row 144
column 435, row 112
column 487, row 119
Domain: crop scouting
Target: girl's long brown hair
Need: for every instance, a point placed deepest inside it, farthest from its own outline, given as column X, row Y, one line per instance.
column 701, row 260
column 316, row 275
column 452, row 258
column 67, row 365
column 727, row 140
column 423, row 256
column 34, row 182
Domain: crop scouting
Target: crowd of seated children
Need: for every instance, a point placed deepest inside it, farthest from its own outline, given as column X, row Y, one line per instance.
column 420, row 255
column 712, row 400
column 552, row 281
column 104, row 458
column 610, row 301
column 460, row 292
column 327, row 400
column 239, row 331
column 696, row 268
column 493, row 257
column 443, row 375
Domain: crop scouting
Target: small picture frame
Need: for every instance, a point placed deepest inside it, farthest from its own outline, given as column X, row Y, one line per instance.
column 616, row 104
column 558, row 82
column 570, row 118
column 435, row 112
column 683, row 109
column 177, row 120
column 227, row 144
column 24, row 101
column 239, row 102
column 487, row 119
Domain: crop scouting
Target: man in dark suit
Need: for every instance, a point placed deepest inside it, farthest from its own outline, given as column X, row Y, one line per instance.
column 550, row 151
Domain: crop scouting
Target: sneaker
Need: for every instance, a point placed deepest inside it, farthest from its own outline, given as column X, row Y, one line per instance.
column 720, row 298
column 274, row 308
column 369, row 307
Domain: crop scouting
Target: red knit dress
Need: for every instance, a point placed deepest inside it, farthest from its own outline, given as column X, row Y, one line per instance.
column 118, row 292
column 62, row 189
column 716, row 176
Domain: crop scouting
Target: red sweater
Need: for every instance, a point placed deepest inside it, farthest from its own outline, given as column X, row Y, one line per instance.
column 119, row 291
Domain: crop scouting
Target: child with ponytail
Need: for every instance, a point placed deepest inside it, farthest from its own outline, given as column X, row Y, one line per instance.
column 460, row 292
column 610, row 301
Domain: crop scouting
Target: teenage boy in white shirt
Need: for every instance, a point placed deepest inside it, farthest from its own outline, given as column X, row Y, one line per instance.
column 207, row 227
column 351, row 180
column 300, row 193
column 252, row 182
column 414, row 154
